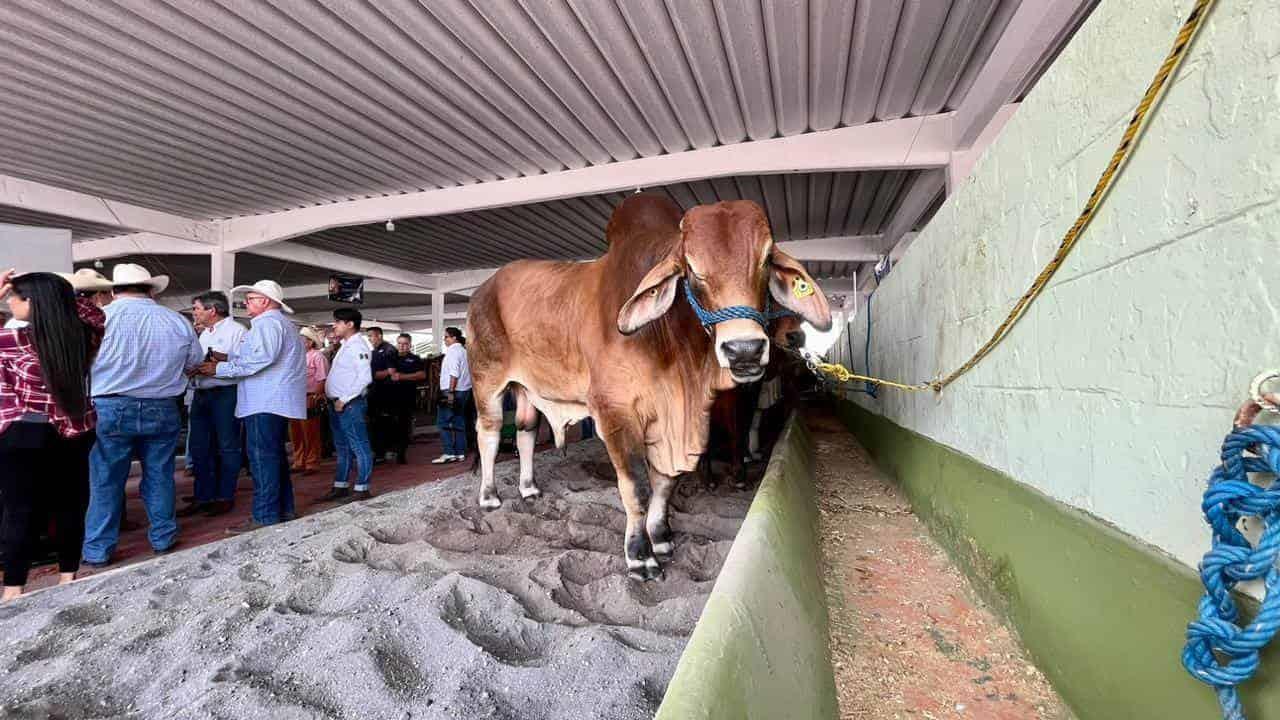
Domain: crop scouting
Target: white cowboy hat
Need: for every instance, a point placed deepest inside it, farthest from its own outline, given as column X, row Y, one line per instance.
column 130, row 274
column 269, row 288
column 313, row 335
column 86, row 280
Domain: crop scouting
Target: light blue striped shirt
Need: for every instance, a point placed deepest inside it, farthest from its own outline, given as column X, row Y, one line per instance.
column 145, row 352
column 273, row 366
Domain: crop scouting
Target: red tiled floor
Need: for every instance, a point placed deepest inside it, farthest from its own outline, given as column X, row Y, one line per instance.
column 199, row 530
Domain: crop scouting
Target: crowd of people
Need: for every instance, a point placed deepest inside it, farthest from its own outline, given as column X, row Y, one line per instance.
column 92, row 375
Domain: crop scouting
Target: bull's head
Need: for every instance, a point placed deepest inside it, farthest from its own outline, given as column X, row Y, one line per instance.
column 730, row 269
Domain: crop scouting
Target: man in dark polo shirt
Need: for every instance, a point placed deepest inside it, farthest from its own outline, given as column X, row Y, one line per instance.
column 406, row 372
column 381, row 397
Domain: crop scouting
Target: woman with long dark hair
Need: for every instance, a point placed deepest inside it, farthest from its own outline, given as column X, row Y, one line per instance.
column 46, row 420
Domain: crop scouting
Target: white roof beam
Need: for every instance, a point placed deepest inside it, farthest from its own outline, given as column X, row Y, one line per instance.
column 919, row 142
column 847, row 248
column 137, row 243
column 1037, row 26
column 462, row 280
column 39, row 197
column 293, row 252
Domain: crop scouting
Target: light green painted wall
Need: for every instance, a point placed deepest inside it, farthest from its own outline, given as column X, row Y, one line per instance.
column 1114, row 392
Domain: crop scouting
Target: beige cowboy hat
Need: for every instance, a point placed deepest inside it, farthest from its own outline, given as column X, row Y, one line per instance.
column 86, row 280
column 313, row 335
column 130, row 274
column 269, row 288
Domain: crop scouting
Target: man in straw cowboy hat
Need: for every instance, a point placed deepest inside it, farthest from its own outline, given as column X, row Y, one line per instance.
column 139, row 372
column 271, row 366
column 91, row 285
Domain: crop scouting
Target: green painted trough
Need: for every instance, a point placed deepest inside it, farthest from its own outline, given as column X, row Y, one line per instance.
column 760, row 648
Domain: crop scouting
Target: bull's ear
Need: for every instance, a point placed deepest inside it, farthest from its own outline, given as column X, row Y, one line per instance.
column 793, row 289
column 651, row 299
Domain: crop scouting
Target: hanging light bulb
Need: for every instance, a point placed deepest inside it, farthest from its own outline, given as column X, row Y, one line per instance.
column 391, row 226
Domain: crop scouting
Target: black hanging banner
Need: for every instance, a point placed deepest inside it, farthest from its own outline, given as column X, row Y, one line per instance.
column 347, row 289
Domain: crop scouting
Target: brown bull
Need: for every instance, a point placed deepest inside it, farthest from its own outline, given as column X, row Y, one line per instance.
column 616, row 339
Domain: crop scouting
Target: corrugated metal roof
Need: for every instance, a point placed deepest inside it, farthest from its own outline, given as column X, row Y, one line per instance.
column 80, row 229
column 215, row 109
column 802, row 205
column 824, row 269
column 191, row 273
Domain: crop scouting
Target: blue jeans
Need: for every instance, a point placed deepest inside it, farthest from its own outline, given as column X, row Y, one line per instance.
column 265, row 435
column 127, row 428
column 351, row 442
column 452, row 423
column 214, row 443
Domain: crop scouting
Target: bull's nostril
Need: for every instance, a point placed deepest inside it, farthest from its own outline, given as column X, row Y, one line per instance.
column 744, row 351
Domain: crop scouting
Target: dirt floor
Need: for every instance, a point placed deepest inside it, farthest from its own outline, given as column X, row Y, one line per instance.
column 416, row 604
column 909, row 637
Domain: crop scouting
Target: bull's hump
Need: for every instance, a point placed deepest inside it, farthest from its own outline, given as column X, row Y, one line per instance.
column 643, row 214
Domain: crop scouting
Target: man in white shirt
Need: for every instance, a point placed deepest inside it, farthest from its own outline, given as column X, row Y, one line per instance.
column 214, row 432
column 455, row 383
column 346, row 388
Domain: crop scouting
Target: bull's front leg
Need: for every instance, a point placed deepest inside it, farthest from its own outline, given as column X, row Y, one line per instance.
column 657, row 524
column 641, row 564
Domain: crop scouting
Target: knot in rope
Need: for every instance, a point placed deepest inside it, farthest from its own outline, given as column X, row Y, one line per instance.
column 1219, row 651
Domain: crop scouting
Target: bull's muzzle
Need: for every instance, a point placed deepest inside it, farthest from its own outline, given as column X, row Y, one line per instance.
column 745, row 358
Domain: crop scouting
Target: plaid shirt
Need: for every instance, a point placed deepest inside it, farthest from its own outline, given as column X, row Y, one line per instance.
column 22, row 388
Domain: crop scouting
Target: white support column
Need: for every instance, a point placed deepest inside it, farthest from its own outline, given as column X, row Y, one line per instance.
column 437, row 319
column 222, row 273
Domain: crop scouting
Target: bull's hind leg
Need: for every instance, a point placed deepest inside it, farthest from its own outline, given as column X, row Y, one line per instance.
column 488, row 434
column 657, row 525
column 527, row 421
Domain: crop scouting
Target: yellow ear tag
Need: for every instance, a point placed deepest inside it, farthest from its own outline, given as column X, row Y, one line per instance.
column 801, row 289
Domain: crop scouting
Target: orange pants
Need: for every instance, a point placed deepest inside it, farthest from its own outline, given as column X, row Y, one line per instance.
column 305, row 436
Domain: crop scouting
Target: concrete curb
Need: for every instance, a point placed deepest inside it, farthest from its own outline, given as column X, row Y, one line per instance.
column 759, row 650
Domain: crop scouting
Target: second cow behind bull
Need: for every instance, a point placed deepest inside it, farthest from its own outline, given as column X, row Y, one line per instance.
column 618, row 339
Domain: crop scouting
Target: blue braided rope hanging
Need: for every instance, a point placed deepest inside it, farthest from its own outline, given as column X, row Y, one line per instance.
column 1219, row 652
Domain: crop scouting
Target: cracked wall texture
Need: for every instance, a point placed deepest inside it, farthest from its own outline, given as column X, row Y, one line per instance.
column 1114, row 391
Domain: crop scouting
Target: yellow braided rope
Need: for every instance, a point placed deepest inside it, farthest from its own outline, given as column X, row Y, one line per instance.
column 1127, row 143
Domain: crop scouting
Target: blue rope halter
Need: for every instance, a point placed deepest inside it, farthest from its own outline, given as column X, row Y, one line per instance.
column 733, row 312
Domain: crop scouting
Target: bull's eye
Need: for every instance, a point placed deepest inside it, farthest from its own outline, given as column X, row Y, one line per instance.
column 653, row 292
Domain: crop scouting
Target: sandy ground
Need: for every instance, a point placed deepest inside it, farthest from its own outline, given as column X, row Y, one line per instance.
column 416, row 604
column 909, row 637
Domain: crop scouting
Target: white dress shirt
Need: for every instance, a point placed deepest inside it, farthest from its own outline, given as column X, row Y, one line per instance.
column 223, row 337
column 350, row 372
column 455, row 365
column 272, row 366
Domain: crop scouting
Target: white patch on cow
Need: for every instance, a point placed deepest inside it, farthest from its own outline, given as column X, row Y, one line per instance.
column 663, row 548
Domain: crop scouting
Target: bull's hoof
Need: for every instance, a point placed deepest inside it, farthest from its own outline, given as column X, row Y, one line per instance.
column 529, row 492
column 490, row 503
column 644, row 570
